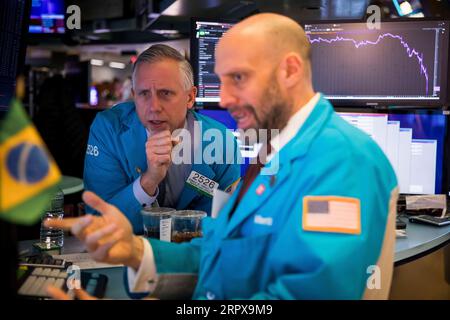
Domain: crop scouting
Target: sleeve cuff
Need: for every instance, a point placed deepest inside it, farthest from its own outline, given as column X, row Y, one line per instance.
column 145, row 279
column 141, row 196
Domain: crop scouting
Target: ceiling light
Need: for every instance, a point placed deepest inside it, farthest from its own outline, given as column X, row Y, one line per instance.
column 97, row 62
column 117, row 65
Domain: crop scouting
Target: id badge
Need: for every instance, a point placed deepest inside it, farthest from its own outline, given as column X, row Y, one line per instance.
column 202, row 184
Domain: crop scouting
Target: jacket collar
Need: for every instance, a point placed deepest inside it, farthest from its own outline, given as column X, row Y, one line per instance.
column 133, row 137
column 268, row 184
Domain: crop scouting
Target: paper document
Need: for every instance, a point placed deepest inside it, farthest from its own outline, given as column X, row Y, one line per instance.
column 434, row 201
column 85, row 261
column 219, row 199
column 400, row 233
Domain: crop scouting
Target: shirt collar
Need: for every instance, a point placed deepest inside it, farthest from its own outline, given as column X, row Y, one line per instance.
column 293, row 126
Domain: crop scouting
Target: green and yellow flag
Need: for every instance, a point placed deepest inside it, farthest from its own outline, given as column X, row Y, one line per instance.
column 28, row 174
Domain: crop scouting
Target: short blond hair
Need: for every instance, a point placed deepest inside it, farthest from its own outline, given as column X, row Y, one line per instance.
column 160, row 52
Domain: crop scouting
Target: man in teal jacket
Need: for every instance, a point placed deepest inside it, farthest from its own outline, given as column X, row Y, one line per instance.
column 128, row 159
column 315, row 228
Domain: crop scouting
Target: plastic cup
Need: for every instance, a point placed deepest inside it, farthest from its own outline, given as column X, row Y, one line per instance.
column 157, row 222
column 186, row 225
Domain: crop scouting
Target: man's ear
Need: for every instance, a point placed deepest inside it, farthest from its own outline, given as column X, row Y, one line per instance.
column 191, row 97
column 292, row 69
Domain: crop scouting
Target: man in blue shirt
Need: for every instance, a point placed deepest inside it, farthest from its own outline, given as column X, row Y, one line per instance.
column 314, row 228
column 128, row 159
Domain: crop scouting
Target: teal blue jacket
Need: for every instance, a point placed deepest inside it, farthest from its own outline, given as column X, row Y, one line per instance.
column 116, row 154
column 238, row 258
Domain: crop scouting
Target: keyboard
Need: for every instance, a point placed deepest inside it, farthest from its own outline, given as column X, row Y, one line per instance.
column 436, row 221
column 44, row 262
column 36, row 273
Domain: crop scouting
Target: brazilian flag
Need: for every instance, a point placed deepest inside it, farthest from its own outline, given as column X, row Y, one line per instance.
column 28, row 174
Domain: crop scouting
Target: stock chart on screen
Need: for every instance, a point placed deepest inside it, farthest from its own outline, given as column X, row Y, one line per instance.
column 205, row 35
column 401, row 62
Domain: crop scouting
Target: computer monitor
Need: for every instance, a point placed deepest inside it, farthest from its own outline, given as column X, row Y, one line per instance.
column 204, row 37
column 222, row 116
column 414, row 143
column 47, row 16
column 404, row 62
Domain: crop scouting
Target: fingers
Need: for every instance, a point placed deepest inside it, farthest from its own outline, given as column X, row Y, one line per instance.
column 97, row 203
column 97, row 238
column 102, row 253
column 57, row 293
column 159, row 155
column 91, row 199
column 159, row 148
column 162, row 150
column 65, row 224
column 163, row 160
column 160, row 138
column 160, row 135
column 83, row 295
column 166, row 141
column 79, row 227
column 175, row 141
column 151, row 145
column 75, row 225
column 164, row 138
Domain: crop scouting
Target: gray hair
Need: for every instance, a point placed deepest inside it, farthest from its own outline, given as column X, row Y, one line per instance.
column 159, row 52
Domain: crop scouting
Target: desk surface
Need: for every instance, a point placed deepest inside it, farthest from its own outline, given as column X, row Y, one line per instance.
column 419, row 240
column 71, row 185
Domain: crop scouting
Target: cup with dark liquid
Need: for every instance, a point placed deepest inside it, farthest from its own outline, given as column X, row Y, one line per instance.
column 186, row 225
column 157, row 222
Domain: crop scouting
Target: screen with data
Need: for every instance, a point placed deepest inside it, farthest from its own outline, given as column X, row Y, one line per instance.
column 47, row 16
column 413, row 143
column 204, row 38
column 401, row 63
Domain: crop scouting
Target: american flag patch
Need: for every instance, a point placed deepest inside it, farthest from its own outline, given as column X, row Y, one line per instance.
column 331, row 214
